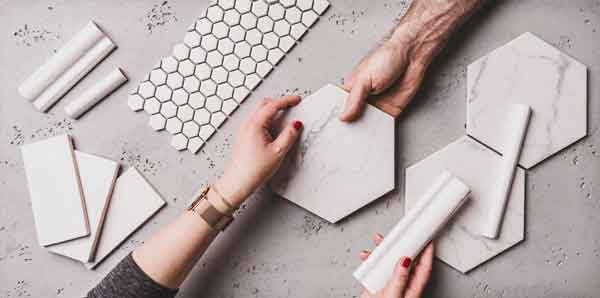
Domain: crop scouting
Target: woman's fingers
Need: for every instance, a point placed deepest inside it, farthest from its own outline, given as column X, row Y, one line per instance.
column 269, row 109
column 378, row 238
column 287, row 137
column 421, row 273
column 399, row 279
column 363, row 255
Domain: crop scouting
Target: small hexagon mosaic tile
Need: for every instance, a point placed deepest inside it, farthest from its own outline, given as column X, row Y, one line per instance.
column 224, row 55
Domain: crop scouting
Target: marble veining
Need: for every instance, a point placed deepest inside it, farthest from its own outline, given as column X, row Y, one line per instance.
column 459, row 244
column 337, row 167
column 529, row 71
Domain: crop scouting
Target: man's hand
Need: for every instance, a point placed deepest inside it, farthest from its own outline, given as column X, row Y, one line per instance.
column 390, row 65
column 395, row 70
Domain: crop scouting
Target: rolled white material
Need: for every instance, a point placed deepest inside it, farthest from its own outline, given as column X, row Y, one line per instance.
column 517, row 123
column 414, row 231
column 96, row 93
column 63, row 70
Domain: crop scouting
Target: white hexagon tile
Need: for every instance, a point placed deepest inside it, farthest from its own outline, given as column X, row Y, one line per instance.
column 530, row 71
column 337, row 167
column 460, row 243
column 225, row 54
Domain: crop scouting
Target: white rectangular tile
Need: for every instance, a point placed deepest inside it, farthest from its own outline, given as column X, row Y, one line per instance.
column 98, row 176
column 133, row 202
column 55, row 190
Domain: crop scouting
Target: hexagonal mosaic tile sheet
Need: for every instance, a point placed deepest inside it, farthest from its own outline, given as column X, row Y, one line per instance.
column 336, row 167
column 225, row 54
column 460, row 243
column 529, row 71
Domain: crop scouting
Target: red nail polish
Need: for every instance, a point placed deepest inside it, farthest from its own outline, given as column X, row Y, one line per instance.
column 406, row 262
column 297, row 124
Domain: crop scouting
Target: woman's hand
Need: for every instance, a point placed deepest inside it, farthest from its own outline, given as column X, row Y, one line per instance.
column 256, row 153
column 404, row 283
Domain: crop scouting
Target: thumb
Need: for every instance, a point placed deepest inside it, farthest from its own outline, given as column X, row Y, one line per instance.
column 399, row 279
column 287, row 137
column 356, row 100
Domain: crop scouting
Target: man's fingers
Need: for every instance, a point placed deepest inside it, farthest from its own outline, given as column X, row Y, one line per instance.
column 356, row 100
column 399, row 279
column 287, row 137
column 268, row 110
column 421, row 273
column 349, row 81
column 395, row 101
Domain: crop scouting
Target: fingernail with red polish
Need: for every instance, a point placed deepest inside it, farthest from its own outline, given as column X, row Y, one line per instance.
column 406, row 262
column 297, row 124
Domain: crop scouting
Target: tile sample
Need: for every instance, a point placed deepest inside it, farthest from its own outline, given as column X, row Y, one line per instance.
column 55, row 190
column 416, row 229
column 63, row 70
column 96, row 93
column 321, row 172
column 529, row 71
column 515, row 131
column 133, row 202
column 459, row 244
column 224, row 55
column 98, row 177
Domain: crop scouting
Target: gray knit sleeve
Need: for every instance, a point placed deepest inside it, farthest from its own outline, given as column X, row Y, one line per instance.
column 127, row 280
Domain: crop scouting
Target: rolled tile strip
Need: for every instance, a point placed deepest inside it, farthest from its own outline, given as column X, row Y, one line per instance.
column 414, row 231
column 517, row 123
column 96, row 93
column 61, row 72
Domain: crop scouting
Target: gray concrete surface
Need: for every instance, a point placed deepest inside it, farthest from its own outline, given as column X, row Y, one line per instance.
column 276, row 249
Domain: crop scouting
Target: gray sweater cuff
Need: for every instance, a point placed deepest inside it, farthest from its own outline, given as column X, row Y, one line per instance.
column 127, row 280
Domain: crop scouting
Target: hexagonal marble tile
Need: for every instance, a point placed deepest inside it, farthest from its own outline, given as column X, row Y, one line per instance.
column 224, row 55
column 326, row 172
column 459, row 244
column 530, row 71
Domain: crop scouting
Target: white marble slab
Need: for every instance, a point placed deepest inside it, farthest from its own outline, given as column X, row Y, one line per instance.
column 97, row 179
column 529, row 71
column 55, row 190
column 133, row 202
column 460, row 243
column 337, row 167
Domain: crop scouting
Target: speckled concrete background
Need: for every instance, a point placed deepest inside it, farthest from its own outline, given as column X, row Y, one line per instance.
column 276, row 249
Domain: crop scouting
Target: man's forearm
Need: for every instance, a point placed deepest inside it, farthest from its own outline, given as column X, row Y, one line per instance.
column 428, row 24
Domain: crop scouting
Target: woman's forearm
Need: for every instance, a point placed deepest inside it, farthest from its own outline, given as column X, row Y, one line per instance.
column 169, row 255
